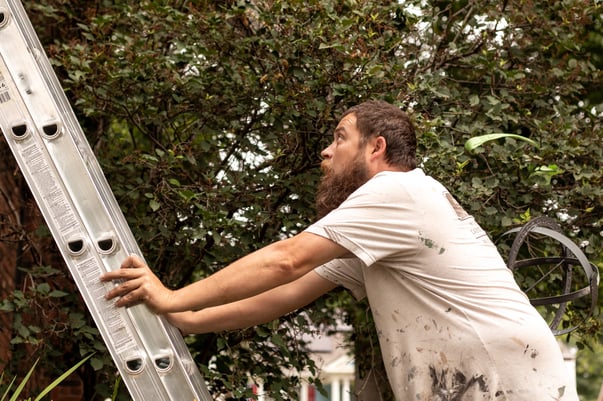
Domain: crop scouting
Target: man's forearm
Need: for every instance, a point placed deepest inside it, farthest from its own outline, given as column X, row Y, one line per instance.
column 232, row 316
column 253, row 274
column 272, row 266
column 259, row 309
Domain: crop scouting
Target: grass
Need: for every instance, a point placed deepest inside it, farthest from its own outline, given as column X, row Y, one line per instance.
column 17, row 392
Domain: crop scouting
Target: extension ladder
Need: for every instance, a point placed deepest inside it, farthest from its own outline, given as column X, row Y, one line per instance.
column 83, row 216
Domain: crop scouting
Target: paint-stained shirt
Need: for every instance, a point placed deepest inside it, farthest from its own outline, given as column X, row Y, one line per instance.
column 452, row 322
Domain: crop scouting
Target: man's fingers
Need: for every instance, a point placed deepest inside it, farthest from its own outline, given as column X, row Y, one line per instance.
column 135, row 283
column 130, row 299
column 132, row 261
column 127, row 271
column 122, row 289
column 122, row 274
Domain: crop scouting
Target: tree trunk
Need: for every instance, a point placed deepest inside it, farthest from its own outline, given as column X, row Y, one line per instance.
column 373, row 385
column 371, row 379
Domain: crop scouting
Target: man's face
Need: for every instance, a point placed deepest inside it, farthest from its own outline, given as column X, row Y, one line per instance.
column 344, row 148
column 344, row 167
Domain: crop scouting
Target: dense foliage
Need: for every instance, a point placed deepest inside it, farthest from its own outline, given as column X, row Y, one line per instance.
column 208, row 119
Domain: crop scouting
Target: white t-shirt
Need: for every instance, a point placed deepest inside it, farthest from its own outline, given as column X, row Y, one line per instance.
column 451, row 320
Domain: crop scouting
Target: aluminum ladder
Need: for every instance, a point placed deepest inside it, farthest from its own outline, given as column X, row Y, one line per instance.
column 83, row 216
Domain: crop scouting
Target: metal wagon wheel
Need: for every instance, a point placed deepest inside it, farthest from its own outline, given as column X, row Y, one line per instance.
column 571, row 256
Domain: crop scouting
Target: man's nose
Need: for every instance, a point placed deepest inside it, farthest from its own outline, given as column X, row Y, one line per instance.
column 327, row 152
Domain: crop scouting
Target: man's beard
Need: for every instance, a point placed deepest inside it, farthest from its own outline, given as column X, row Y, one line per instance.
column 333, row 189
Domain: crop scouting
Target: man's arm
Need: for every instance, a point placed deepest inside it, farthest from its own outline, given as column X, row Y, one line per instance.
column 258, row 309
column 274, row 265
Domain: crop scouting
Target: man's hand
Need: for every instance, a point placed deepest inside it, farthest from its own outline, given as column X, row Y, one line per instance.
column 138, row 284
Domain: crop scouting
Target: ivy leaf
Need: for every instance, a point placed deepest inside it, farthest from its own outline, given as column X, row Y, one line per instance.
column 154, row 205
column 97, row 364
column 43, row 288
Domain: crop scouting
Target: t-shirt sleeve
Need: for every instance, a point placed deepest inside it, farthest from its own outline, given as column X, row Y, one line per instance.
column 346, row 273
column 374, row 222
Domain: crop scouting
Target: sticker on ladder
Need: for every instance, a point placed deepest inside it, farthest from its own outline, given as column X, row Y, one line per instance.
column 121, row 335
column 4, row 95
column 52, row 192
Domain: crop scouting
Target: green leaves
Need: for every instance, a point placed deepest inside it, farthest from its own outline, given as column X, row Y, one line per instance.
column 209, row 117
column 475, row 142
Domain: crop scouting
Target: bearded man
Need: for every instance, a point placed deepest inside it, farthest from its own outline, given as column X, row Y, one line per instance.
column 452, row 322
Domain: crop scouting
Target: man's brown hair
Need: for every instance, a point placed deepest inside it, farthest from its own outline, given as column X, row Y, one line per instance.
column 379, row 118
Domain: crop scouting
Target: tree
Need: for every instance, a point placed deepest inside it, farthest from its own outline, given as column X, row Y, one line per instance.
column 208, row 119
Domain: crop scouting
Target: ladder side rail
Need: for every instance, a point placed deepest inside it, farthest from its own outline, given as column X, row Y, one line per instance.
column 161, row 340
column 63, row 222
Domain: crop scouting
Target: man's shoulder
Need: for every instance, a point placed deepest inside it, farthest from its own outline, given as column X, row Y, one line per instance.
column 411, row 175
column 389, row 181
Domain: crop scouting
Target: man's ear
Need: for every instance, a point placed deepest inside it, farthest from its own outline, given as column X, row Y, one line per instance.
column 378, row 145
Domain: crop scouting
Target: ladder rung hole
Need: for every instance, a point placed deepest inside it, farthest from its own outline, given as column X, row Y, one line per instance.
column 76, row 246
column 51, row 130
column 163, row 363
column 3, row 18
column 19, row 130
column 106, row 245
column 134, row 365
